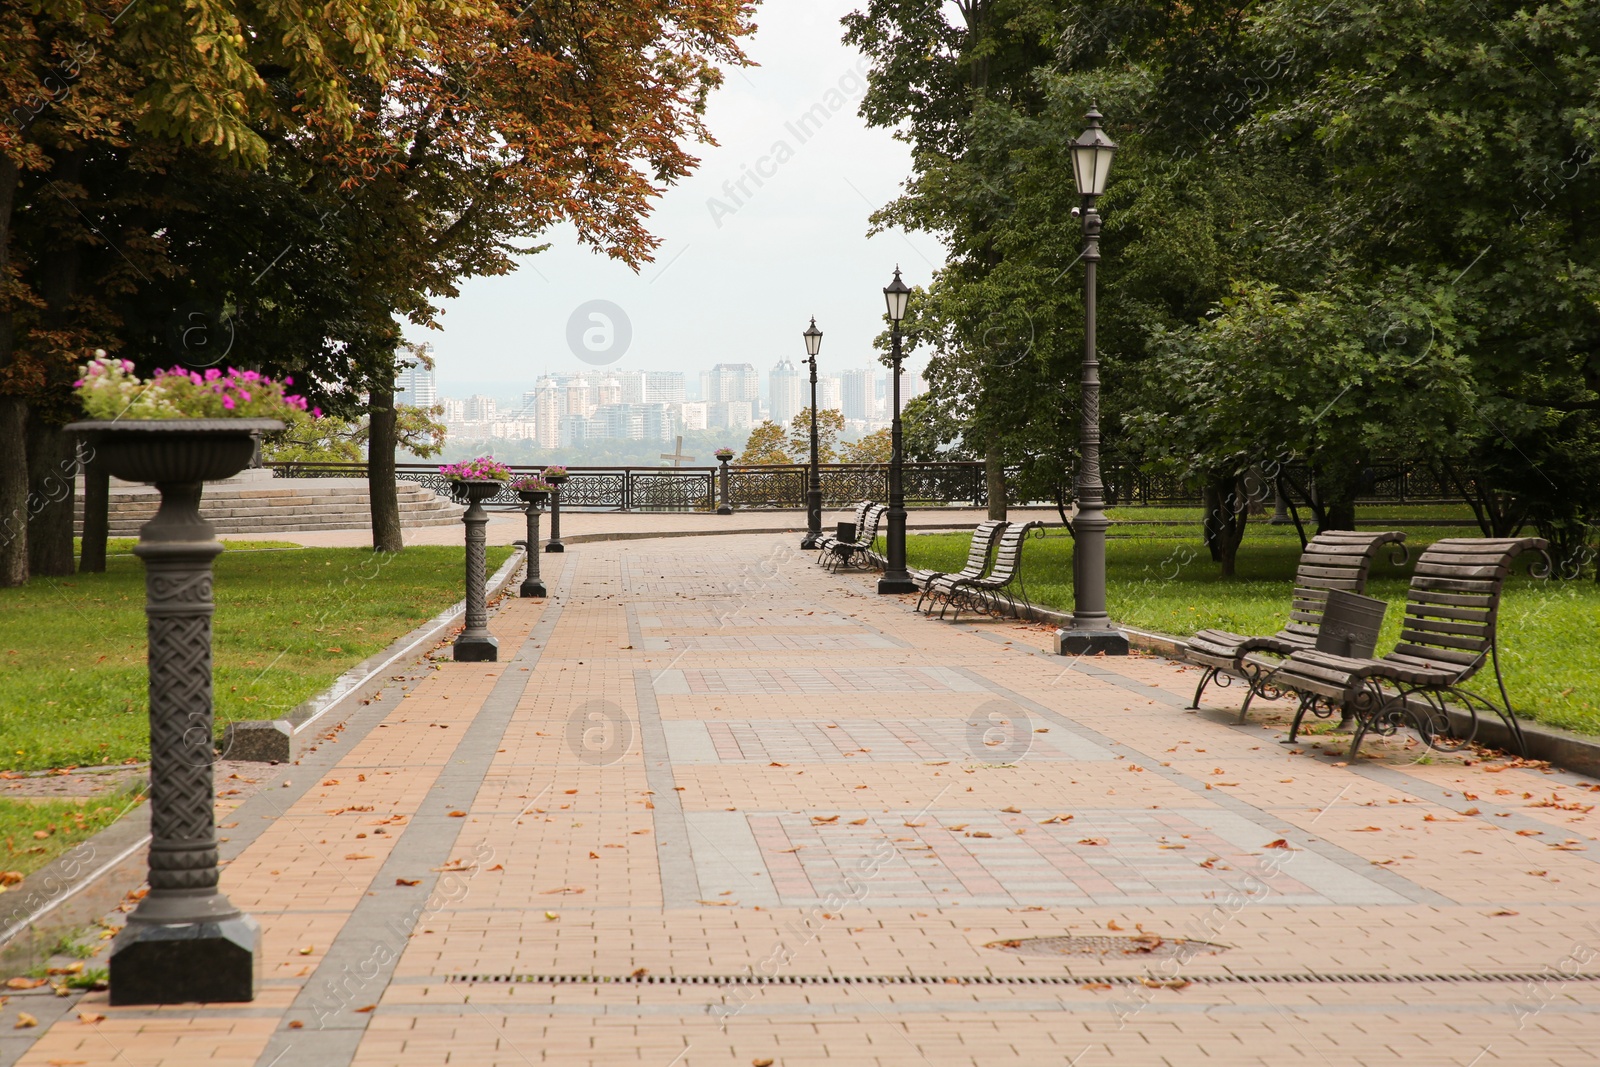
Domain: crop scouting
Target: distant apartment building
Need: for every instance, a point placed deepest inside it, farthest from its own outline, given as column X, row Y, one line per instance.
column 731, row 382
column 695, row 415
column 663, row 387
column 788, row 391
column 455, row 409
column 856, row 400
column 829, row 393
column 479, row 408
column 415, row 385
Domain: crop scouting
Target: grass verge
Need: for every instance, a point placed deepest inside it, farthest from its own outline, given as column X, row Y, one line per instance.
column 72, row 650
column 37, row 831
column 1162, row 579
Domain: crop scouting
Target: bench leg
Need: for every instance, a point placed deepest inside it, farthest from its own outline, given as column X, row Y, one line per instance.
column 1205, row 680
column 1300, row 713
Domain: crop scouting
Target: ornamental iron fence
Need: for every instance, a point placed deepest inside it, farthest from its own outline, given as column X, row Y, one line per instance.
column 927, row 485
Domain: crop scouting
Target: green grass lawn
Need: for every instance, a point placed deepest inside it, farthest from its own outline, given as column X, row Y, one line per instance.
column 1162, row 579
column 72, row 650
column 35, row 832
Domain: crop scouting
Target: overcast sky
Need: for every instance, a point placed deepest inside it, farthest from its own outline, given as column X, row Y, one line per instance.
column 738, row 273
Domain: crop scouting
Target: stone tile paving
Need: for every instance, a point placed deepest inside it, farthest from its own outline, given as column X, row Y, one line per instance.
column 782, row 776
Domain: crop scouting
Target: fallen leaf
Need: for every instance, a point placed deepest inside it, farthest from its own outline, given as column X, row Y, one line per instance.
column 408, row 881
column 90, row 1017
column 1012, row 811
column 1472, row 811
column 501, row 866
column 1358, row 830
column 71, row 968
column 551, row 916
column 1279, row 843
column 458, row 815
column 980, row 833
column 1094, row 841
column 1112, row 925
column 308, row 950
column 365, row 1009
column 819, row 819
column 296, row 1024
column 24, row 1020
column 718, row 903
column 562, row 889
column 1529, row 833
column 761, row 1061
column 858, row 822
column 356, row 856
column 1502, row 911
column 641, row 972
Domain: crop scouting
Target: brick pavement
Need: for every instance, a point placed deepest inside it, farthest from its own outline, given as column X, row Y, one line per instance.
column 707, row 759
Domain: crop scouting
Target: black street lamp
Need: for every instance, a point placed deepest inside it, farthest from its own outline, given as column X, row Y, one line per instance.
column 813, row 536
column 895, row 579
column 1091, row 630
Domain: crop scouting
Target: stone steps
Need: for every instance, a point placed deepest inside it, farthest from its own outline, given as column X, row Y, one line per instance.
column 279, row 505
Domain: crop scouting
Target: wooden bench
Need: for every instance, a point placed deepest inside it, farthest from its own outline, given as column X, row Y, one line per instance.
column 1338, row 559
column 827, row 541
column 1452, row 614
column 1003, row 583
column 846, row 553
column 936, row 583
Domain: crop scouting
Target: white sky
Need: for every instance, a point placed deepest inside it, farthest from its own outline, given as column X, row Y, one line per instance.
column 739, row 288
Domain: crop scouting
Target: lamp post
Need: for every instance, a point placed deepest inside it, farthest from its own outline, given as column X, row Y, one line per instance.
column 813, row 536
column 895, row 579
column 1091, row 630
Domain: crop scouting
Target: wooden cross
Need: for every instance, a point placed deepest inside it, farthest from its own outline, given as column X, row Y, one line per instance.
column 676, row 455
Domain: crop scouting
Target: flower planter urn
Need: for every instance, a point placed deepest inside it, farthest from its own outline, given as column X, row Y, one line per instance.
column 556, row 482
column 185, row 941
column 532, row 584
column 475, row 644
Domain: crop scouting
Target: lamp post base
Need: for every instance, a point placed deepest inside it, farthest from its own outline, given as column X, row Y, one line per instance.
column 811, row 541
column 724, row 510
column 178, row 963
column 1091, row 642
column 476, row 648
column 888, row 584
column 531, row 587
column 554, row 546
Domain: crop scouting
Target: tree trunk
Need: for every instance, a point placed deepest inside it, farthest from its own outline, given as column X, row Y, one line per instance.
column 1226, row 519
column 381, row 489
column 1336, row 493
column 52, row 471
column 96, row 515
column 13, row 416
column 994, row 472
column 52, row 452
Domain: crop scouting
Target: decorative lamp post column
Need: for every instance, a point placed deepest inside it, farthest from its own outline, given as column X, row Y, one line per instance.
column 185, row 941
column 556, row 477
column 534, row 498
column 724, row 457
column 475, row 644
column 1091, row 630
column 895, row 578
column 813, row 536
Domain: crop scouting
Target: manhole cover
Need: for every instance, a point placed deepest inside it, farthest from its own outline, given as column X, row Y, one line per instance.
column 1139, row 946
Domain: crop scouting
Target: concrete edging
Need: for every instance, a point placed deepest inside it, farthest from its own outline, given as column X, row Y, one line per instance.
column 273, row 740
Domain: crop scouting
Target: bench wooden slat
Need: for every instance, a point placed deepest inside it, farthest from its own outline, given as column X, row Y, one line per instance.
column 1428, row 639
column 1467, row 629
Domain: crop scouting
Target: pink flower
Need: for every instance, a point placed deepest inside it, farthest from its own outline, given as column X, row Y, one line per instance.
column 244, row 394
column 213, row 374
column 227, row 402
column 316, row 413
column 287, row 380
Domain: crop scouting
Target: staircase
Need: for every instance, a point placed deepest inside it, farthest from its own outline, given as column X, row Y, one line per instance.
column 255, row 505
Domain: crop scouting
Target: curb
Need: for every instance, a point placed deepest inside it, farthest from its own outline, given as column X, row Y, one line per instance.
column 273, row 740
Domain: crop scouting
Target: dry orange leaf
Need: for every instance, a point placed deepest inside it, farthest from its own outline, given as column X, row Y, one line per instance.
column 458, row 815
column 408, row 881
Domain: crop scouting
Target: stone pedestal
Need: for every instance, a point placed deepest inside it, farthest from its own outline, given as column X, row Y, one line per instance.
column 185, row 941
column 476, row 644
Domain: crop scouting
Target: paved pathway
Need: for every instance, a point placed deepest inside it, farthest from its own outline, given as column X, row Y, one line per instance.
column 717, row 807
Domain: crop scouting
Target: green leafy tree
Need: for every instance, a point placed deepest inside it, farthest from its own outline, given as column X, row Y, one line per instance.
column 766, row 446
column 830, row 424
column 874, row 447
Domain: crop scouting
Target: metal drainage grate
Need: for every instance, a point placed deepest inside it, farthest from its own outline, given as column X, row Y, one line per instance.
column 1141, row 946
column 1297, row 978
